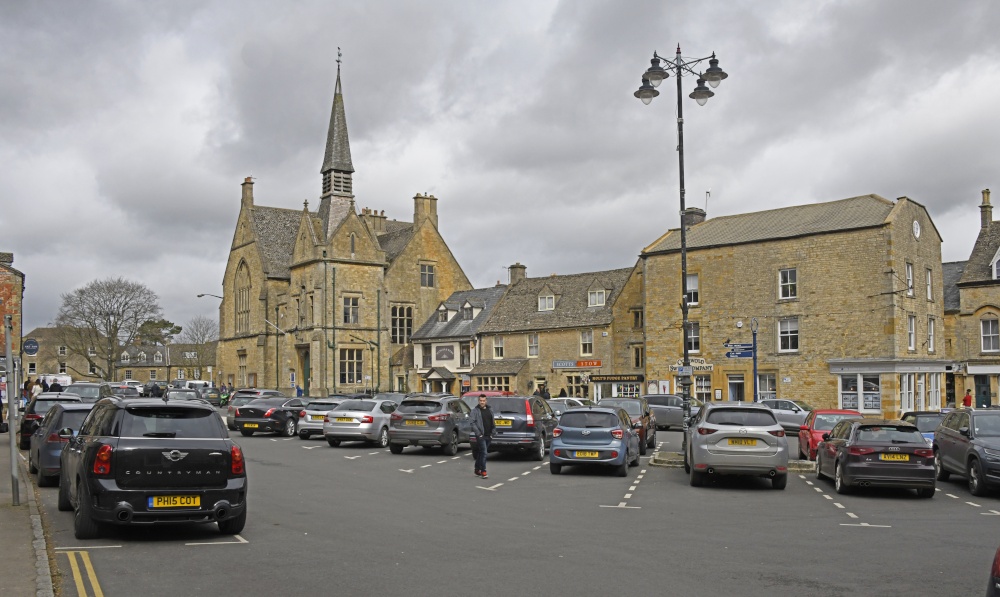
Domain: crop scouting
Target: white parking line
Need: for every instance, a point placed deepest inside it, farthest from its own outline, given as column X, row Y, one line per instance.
column 632, row 488
column 455, row 457
column 628, row 496
column 829, row 497
column 852, row 515
column 373, row 453
column 838, row 504
column 441, row 461
column 491, row 488
column 537, row 467
column 513, row 478
column 951, row 495
column 310, row 447
column 809, row 482
column 973, row 504
column 426, row 465
column 352, row 457
column 990, row 513
column 865, row 524
column 237, row 537
column 406, row 470
column 819, row 489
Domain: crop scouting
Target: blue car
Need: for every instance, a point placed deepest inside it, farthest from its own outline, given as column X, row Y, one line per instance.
column 926, row 421
column 46, row 443
column 595, row 436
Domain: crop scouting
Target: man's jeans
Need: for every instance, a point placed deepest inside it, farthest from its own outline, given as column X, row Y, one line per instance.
column 482, row 446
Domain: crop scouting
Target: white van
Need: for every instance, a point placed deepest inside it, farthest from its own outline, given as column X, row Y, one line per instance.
column 196, row 384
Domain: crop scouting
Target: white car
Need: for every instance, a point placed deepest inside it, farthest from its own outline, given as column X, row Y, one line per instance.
column 311, row 419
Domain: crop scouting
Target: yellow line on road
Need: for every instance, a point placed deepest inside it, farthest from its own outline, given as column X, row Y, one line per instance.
column 81, row 589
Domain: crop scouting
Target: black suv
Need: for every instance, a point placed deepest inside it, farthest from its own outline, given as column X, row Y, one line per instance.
column 31, row 418
column 521, row 424
column 968, row 443
column 149, row 460
column 642, row 419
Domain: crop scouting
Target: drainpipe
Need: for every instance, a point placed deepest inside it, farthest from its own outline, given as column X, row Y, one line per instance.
column 333, row 328
column 378, row 335
column 277, row 340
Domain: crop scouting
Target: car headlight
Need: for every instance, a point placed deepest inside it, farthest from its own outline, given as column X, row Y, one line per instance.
column 991, row 455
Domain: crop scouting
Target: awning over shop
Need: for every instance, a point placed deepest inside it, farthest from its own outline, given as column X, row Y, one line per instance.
column 439, row 373
column 983, row 369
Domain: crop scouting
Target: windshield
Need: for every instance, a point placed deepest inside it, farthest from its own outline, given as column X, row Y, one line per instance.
column 827, row 422
column 170, row 422
column 357, row 405
column 588, row 419
column 987, row 425
column 926, row 423
column 632, row 407
column 73, row 419
column 665, row 401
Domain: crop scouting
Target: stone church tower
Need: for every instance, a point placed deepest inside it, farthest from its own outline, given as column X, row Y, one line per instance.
column 326, row 300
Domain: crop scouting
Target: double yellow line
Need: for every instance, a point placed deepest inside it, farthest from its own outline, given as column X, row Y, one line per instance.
column 74, row 564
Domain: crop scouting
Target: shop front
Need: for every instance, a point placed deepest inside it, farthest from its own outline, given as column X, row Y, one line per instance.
column 617, row 386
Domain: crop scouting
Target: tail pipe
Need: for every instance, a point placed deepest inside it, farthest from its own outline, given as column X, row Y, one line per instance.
column 123, row 512
column 221, row 509
column 772, row 473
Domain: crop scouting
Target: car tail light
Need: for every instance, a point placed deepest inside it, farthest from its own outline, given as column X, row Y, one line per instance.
column 32, row 417
column 326, row 418
column 55, row 438
column 558, row 452
column 778, row 433
column 102, row 462
column 367, row 419
column 557, row 432
column 302, row 414
column 269, row 412
column 614, row 453
column 925, row 452
column 441, row 417
column 617, row 433
column 393, row 417
column 706, row 431
column 859, row 450
column 237, row 466
column 527, row 409
column 996, row 564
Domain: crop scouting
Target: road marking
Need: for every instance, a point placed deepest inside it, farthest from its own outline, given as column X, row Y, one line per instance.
column 951, row 495
column 819, row 489
column 513, row 479
column 852, row 515
column 623, row 506
column 89, row 547
column 78, row 579
column 237, row 542
column 491, row 488
column 990, row 513
column 865, row 524
column 829, row 497
column 442, row 461
column 802, row 476
column 373, row 453
column 809, row 482
column 310, row 447
column 838, row 504
column 537, row 467
column 426, row 465
column 973, row 504
column 638, row 477
column 455, row 457
column 628, row 496
column 632, row 488
column 352, row 457
column 525, row 473
column 406, row 470
column 641, row 473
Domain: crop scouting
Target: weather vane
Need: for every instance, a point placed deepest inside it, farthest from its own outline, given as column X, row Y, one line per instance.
column 338, row 56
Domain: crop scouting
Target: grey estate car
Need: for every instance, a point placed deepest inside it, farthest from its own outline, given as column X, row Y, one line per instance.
column 430, row 420
column 359, row 420
column 736, row 438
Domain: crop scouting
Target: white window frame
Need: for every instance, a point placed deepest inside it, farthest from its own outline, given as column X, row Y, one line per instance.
column 933, row 391
column 125, row 357
column 93, row 369
column 638, row 356
column 497, row 347
column 152, row 375
column 788, row 334
column 930, row 334
column 595, row 298
column 788, row 283
column 692, row 297
column 906, row 386
column 32, row 367
column 62, row 367
column 158, row 358
column 693, row 337
column 586, row 343
column 703, row 387
column 930, row 285
column 909, row 279
column 767, row 386
column 858, row 395
column 533, row 345
column 911, row 332
column 426, row 356
column 992, row 334
column 91, row 352
column 547, row 303
column 62, row 351
column 351, row 310
column 128, row 374
column 427, row 275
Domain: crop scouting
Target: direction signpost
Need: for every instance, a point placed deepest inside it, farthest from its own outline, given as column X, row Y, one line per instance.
column 746, row 350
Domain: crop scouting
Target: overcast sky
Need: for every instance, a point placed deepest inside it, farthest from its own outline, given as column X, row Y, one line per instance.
column 126, row 128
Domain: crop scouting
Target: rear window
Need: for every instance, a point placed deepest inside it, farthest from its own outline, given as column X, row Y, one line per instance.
column 889, row 433
column 183, row 395
column 741, row 417
column 506, row 406
column 84, row 391
column 826, row 422
column 419, row 407
column 588, row 419
column 632, row 407
column 357, row 405
column 321, row 405
column 241, row 400
column 170, row 422
column 43, row 406
column 926, row 423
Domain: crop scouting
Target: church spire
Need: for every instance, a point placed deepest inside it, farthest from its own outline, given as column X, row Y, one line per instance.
column 337, row 167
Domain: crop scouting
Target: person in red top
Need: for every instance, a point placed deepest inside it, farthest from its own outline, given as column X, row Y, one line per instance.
column 967, row 400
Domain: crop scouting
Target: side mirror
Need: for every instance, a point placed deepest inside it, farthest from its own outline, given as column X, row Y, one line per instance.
column 66, row 432
column 964, row 431
column 803, row 428
column 558, row 412
column 826, row 437
column 637, row 425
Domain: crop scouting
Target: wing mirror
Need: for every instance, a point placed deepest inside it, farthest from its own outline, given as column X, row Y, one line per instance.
column 826, row 437
column 66, row 433
column 964, row 431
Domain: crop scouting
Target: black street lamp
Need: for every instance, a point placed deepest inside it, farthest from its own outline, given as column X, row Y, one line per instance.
column 651, row 79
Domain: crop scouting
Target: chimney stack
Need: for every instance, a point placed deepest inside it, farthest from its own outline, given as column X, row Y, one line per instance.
column 247, row 200
column 425, row 206
column 692, row 216
column 6, row 259
column 517, row 273
column 986, row 210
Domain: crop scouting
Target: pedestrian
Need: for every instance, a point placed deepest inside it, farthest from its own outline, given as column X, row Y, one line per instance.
column 538, row 391
column 545, row 393
column 482, row 429
column 562, row 393
column 967, row 400
column 55, row 386
column 298, row 390
column 35, row 390
column 45, row 385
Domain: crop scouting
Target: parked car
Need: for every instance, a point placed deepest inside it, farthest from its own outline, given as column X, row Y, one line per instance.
column 182, row 394
column 927, row 421
column 275, row 415
column 359, row 420
column 60, row 423
column 125, row 390
column 642, row 416
column 210, row 394
column 135, row 383
column 396, row 397
column 669, row 409
column 430, row 421
column 561, row 405
column 790, row 413
column 241, row 397
column 736, row 438
column 816, row 424
column 154, row 389
column 595, row 436
column 993, row 586
column 876, row 453
column 968, row 443
column 36, row 408
column 521, row 424
column 89, row 391
column 152, row 461
column 313, row 413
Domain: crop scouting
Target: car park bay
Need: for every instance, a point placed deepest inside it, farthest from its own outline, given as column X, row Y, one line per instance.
column 393, row 519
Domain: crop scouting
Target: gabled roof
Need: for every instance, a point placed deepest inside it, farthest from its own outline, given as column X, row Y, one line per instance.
column 518, row 311
column 457, row 327
column 952, row 273
column 275, row 229
column 395, row 238
column 977, row 268
column 866, row 211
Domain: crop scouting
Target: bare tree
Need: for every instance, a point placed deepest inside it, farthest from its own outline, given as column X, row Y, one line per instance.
column 199, row 330
column 199, row 335
column 97, row 320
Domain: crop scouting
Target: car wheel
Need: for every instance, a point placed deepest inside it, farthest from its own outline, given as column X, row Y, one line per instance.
column 642, row 448
column 819, row 468
column 84, row 526
column 801, row 455
column 622, row 470
column 925, row 492
column 839, row 483
column 303, row 434
column 63, row 502
column 554, row 468
column 697, row 479
column 976, row 485
column 31, row 465
column 24, row 445
column 779, row 481
column 333, row 442
column 635, row 461
column 396, row 448
column 539, row 454
column 45, row 480
column 652, row 440
column 383, row 438
column 451, row 448
column 234, row 525
column 942, row 474
column 687, row 467
column 289, row 430
column 246, row 433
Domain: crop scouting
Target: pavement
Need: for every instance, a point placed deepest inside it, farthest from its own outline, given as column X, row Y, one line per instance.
column 24, row 563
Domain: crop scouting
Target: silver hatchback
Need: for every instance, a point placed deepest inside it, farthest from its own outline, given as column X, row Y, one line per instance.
column 314, row 413
column 738, row 438
column 359, row 420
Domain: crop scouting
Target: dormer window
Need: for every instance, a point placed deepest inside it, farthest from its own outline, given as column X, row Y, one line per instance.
column 142, row 356
column 124, row 357
column 546, row 303
column 595, row 298
column 157, row 358
column 467, row 313
column 442, row 316
column 995, row 266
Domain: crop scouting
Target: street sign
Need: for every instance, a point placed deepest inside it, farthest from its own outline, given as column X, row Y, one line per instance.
column 739, row 354
column 30, row 347
column 738, row 345
column 685, row 371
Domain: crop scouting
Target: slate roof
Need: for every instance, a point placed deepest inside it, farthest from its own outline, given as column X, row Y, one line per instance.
column 275, row 229
column 395, row 238
column 977, row 268
column 952, row 273
column 518, row 311
column 338, row 147
column 456, row 327
column 866, row 211
column 499, row 367
column 442, row 372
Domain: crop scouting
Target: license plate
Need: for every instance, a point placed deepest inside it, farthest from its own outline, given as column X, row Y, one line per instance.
column 503, row 422
column 742, row 441
column 174, row 501
column 345, row 420
column 586, row 454
column 317, row 417
column 895, row 457
column 249, row 425
column 415, row 423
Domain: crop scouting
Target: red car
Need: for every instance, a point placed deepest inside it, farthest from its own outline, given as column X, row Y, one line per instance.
column 816, row 424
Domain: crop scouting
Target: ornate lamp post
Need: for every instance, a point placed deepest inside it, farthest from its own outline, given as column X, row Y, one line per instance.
column 652, row 78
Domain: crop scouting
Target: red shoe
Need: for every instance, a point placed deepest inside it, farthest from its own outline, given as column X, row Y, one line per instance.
column 484, row 475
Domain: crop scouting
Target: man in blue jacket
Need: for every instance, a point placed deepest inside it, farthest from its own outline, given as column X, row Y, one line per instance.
column 482, row 430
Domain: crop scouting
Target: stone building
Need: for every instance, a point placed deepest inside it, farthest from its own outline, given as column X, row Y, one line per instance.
column 11, row 303
column 445, row 345
column 326, row 300
column 560, row 332
column 166, row 363
column 845, row 300
column 54, row 356
column 972, row 314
